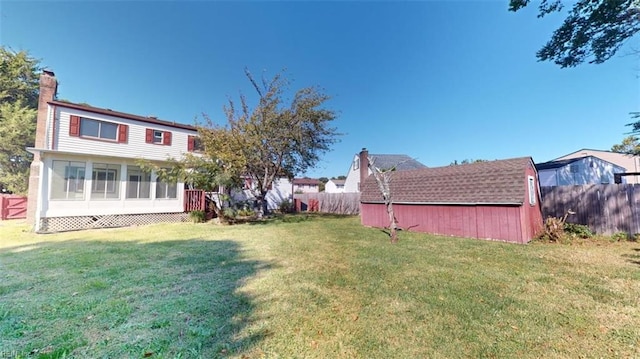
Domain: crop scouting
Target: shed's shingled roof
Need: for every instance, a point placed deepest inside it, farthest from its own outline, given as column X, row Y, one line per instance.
column 403, row 162
column 492, row 182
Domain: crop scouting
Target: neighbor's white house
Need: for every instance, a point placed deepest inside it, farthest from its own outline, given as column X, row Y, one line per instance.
column 578, row 171
column 334, row 186
column 85, row 172
column 629, row 163
column 281, row 190
column 359, row 169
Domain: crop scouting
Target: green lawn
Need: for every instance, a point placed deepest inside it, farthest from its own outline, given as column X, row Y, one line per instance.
column 311, row 287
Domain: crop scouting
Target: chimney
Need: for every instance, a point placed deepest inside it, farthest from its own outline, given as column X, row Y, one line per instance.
column 364, row 167
column 48, row 89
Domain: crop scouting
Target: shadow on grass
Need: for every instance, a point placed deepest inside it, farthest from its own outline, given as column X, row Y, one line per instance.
column 176, row 298
column 296, row 217
column 633, row 258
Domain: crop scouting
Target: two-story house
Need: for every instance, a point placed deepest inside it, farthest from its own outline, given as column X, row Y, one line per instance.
column 306, row 185
column 85, row 171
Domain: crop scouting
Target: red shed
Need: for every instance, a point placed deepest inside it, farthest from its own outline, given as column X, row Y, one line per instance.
column 497, row 200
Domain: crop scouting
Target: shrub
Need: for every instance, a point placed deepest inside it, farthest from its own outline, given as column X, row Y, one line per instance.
column 619, row 237
column 286, row 206
column 198, row 216
column 578, row 230
column 229, row 212
column 553, row 229
column 245, row 212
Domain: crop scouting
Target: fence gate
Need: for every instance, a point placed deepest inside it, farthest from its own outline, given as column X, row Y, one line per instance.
column 13, row 207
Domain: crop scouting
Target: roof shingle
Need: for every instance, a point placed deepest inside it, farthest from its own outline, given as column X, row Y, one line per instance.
column 492, row 182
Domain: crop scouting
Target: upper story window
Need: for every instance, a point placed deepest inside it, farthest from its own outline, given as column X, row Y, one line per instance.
column 158, row 137
column 194, row 144
column 356, row 164
column 97, row 129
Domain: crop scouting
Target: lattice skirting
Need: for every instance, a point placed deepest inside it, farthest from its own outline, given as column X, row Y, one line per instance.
column 61, row 224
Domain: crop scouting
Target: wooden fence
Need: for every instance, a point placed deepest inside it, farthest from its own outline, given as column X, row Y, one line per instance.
column 337, row 203
column 606, row 209
column 13, row 207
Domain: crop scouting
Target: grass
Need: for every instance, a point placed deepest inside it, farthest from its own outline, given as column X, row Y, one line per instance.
column 312, row 287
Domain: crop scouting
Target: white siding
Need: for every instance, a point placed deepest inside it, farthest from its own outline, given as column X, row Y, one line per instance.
column 351, row 183
column 62, row 208
column 629, row 163
column 135, row 147
column 331, row 187
column 281, row 191
column 589, row 170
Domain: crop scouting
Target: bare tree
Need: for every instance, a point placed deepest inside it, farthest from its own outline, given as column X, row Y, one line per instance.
column 383, row 178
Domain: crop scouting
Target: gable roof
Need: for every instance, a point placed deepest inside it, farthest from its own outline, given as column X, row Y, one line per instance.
column 109, row 112
column 306, row 181
column 561, row 163
column 583, row 152
column 492, row 182
column 402, row 162
column 557, row 163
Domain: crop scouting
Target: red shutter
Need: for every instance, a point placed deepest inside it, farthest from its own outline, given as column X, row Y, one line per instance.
column 149, row 136
column 191, row 143
column 74, row 126
column 122, row 133
column 166, row 138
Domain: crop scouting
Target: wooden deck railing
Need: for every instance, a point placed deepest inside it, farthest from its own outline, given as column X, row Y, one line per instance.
column 194, row 200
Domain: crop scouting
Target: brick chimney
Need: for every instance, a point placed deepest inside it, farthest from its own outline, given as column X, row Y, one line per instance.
column 364, row 166
column 48, row 89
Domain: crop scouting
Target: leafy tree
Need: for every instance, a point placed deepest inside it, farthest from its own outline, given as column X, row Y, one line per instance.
column 19, row 89
column 271, row 140
column 593, row 31
column 196, row 171
column 323, row 183
column 629, row 145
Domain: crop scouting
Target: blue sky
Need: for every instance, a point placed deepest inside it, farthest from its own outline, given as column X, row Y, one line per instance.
column 436, row 80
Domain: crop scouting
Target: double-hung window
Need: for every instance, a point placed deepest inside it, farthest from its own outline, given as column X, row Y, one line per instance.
column 194, row 144
column 97, row 129
column 158, row 137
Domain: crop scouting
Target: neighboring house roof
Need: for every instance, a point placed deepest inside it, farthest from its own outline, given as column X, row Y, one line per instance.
column 491, row 182
column 625, row 160
column 338, row 182
column 106, row 111
column 402, row 162
column 306, row 181
column 557, row 164
column 561, row 163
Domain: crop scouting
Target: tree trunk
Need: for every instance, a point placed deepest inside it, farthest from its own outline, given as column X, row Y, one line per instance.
column 263, row 208
column 393, row 224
